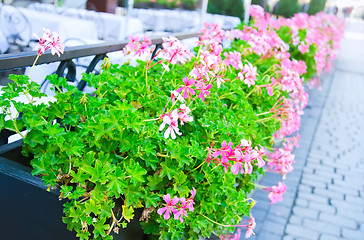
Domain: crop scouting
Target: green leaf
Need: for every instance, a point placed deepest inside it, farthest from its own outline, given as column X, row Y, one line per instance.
column 92, row 206
column 153, row 181
column 40, row 166
column 80, row 176
column 83, row 234
column 180, row 178
column 151, row 199
column 35, row 137
column 168, row 170
column 2, row 121
column 117, row 183
column 99, row 172
column 100, row 228
column 106, row 209
column 128, row 212
column 135, row 171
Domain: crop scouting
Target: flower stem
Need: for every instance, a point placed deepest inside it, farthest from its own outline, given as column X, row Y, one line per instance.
column 198, row 166
column 263, row 120
column 146, row 79
column 31, row 70
column 259, row 114
column 222, row 225
column 250, row 92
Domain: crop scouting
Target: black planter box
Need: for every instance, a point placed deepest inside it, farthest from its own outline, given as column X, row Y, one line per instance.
column 28, row 210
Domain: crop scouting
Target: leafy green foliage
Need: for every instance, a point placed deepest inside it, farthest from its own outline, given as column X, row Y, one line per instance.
column 316, row 6
column 107, row 153
column 287, row 8
column 226, row 7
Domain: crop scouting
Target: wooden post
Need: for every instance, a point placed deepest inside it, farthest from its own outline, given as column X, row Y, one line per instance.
column 108, row 6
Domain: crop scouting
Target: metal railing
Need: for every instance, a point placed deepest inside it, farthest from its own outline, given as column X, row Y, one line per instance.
column 25, row 59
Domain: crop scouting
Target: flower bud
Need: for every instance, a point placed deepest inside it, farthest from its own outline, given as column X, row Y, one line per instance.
column 106, row 63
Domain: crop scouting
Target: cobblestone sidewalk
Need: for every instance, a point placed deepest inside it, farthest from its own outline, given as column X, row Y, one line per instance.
column 325, row 195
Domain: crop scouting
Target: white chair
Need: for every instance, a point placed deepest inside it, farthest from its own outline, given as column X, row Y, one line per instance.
column 4, row 45
column 15, row 26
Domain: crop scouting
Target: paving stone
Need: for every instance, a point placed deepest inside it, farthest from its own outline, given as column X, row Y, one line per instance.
column 329, row 218
column 328, row 193
column 352, row 234
column 344, row 190
column 301, row 202
column 325, row 236
column 322, row 207
column 322, row 227
column 344, row 205
column 288, row 237
column 259, row 214
column 264, row 235
column 313, row 197
column 280, row 210
column 274, row 227
column 350, row 214
column 354, row 200
column 314, row 182
column 299, row 231
column 305, row 212
column 295, row 220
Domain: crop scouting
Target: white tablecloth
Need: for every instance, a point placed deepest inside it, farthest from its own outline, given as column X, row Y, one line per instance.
column 109, row 26
column 66, row 27
column 180, row 21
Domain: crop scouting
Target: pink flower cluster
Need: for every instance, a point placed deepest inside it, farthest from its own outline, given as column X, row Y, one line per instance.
column 323, row 30
column 171, row 119
column 49, row 41
column 242, row 157
column 179, row 210
column 175, row 51
column 275, row 193
column 281, row 160
column 248, row 74
column 136, row 46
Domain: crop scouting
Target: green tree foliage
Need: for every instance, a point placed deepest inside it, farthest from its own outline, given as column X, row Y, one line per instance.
column 226, row 7
column 316, row 6
column 287, row 8
column 262, row 3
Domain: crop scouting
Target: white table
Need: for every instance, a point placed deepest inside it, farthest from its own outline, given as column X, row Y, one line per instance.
column 179, row 20
column 109, row 26
column 65, row 27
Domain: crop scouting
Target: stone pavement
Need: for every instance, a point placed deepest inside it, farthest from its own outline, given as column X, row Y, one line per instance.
column 325, row 193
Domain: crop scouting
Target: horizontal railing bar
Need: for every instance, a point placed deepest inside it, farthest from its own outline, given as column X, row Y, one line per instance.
column 25, row 59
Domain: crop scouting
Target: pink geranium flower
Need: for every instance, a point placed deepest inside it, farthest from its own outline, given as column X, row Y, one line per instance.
column 182, row 210
column 183, row 114
column 203, row 88
column 49, row 41
column 172, row 121
column 248, row 74
column 276, row 192
column 233, row 59
column 250, row 227
column 187, row 90
column 170, row 206
column 176, row 96
column 190, row 201
column 225, row 151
